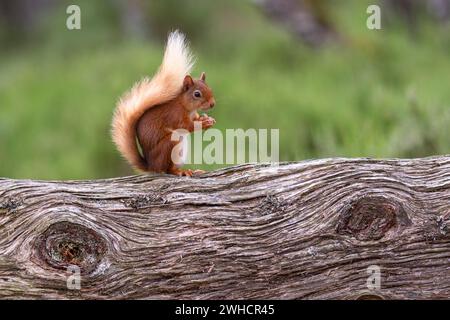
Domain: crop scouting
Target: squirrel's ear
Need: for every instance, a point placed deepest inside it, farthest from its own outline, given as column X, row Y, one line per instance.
column 188, row 82
column 203, row 76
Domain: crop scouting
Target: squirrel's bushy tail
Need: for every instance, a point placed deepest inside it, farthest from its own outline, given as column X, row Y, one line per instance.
column 165, row 85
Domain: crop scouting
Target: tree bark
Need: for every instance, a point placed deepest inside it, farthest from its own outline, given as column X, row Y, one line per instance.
column 306, row 230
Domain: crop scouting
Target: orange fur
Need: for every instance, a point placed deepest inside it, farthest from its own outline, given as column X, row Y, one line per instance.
column 164, row 86
column 154, row 108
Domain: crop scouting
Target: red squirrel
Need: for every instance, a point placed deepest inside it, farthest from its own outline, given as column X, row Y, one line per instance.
column 156, row 107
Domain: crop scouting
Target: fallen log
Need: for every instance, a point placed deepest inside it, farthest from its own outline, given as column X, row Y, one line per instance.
column 306, row 230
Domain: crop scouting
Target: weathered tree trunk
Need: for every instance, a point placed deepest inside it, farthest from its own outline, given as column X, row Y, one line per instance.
column 301, row 230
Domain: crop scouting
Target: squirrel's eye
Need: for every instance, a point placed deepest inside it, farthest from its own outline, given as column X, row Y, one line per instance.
column 197, row 94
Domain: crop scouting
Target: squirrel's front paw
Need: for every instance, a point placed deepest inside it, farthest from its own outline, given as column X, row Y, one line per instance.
column 207, row 122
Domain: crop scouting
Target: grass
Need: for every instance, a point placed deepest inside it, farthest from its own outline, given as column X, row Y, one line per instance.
column 381, row 94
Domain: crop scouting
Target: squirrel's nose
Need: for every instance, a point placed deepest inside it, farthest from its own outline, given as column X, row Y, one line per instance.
column 212, row 103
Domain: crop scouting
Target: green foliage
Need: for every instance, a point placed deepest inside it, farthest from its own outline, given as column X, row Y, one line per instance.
column 378, row 94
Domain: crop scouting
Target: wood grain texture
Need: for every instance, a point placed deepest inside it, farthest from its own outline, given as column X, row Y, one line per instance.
column 306, row 230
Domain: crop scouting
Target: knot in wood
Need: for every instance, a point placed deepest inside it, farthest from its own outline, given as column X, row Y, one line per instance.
column 143, row 201
column 10, row 205
column 370, row 218
column 271, row 204
column 64, row 244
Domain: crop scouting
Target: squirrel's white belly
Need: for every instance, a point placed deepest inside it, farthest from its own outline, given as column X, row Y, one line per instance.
column 180, row 151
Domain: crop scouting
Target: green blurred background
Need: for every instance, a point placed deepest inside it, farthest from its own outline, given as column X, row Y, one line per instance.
column 313, row 69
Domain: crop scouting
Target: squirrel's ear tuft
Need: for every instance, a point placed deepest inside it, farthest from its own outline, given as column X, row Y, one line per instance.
column 188, row 82
column 203, row 76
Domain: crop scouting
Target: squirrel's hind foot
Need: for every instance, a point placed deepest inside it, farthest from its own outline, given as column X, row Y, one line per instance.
column 186, row 172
